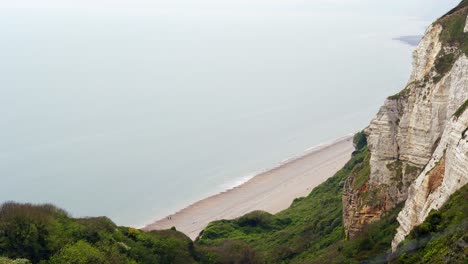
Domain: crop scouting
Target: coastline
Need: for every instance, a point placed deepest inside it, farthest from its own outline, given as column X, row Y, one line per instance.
column 270, row 190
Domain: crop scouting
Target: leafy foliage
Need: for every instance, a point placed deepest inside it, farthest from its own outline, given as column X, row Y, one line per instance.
column 442, row 237
column 44, row 233
column 79, row 253
column 359, row 140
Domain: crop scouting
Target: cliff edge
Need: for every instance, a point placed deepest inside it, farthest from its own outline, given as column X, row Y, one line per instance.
column 418, row 141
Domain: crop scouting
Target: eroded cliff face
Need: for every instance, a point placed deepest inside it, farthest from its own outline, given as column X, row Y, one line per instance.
column 445, row 173
column 417, row 146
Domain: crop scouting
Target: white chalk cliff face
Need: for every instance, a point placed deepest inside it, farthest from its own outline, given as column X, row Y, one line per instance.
column 418, row 145
column 466, row 26
column 445, row 173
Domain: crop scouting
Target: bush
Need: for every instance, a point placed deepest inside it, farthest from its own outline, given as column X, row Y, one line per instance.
column 16, row 261
column 43, row 232
column 257, row 219
column 359, row 140
column 79, row 253
column 231, row 252
column 441, row 237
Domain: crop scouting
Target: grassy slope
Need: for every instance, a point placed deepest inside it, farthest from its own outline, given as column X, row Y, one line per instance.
column 452, row 35
column 442, row 237
column 306, row 230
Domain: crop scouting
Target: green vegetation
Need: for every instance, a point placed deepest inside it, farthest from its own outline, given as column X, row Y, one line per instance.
column 14, row 261
column 442, row 237
column 361, row 172
column 461, row 109
column 411, row 169
column 309, row 231
column 453, row 24
column 46, row 234
column 80, row 252
column 359, row 140
column 454, row 39
column 303, row 232
column 444, row 63
column 397, row 168
column 402, row 94
column 372, row 245
column 310, row 228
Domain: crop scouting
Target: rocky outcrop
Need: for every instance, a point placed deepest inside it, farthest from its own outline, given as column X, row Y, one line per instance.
column 425, row 54
column 415, row 139
column 466, row 27
column 445, row 173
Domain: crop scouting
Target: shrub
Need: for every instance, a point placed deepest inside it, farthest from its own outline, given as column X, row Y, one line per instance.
column 256, row 219
column 359, row 140
column 79, row 253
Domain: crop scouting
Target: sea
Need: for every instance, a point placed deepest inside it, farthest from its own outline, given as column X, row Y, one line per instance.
column 135, row 109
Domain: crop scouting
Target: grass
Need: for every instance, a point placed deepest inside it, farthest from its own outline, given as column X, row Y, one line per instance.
column 372, row 245
column 453, row 24
column 441, row 237
column 402, row 94
column 452, row 36
column 397, row 167
column 444, row 64
column 412, row 169
column 361, row 172
column 310, row 228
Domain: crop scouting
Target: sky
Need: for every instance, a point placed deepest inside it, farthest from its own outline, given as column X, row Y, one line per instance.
column 426, row 8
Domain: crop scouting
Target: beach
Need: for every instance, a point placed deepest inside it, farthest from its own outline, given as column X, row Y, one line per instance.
column 271, row 191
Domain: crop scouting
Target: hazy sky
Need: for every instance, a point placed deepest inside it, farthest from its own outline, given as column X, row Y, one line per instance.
column 427, row 9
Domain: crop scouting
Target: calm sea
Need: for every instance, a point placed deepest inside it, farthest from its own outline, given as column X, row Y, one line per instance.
column 135, row 113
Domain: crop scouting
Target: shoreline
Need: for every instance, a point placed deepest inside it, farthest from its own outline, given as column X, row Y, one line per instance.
column 270, row 190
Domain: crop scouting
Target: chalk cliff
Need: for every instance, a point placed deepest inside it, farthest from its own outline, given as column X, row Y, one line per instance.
column 418, row 141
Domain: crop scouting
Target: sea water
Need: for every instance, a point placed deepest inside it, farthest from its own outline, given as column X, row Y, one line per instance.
column 135, row 111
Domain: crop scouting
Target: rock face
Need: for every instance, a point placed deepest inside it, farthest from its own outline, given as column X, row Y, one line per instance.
column 445, row 173
column 466, row 27
column 418, row 140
